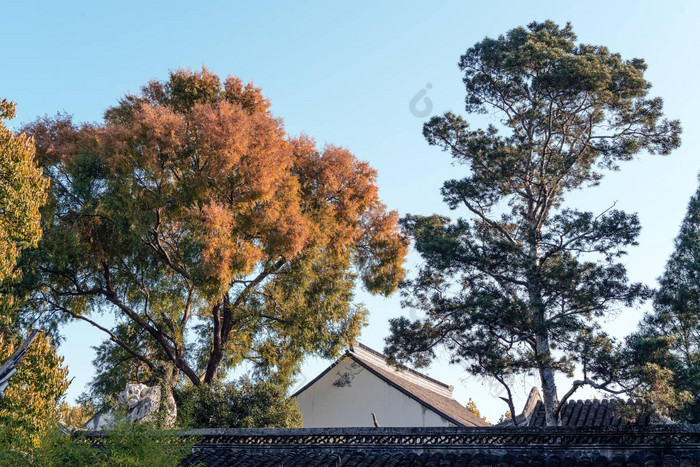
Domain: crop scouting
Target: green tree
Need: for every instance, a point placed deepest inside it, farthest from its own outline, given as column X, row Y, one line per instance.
column 212, row 236
column 668, row 338
column 22, row 193
column 115, row 368
column 29, row 405
column 240, row 404
column 516, row 287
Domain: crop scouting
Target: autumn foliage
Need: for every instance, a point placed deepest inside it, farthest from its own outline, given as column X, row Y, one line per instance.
column 211, row 233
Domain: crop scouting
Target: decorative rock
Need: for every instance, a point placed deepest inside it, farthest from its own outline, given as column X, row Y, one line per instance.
column 101, row 420
column 141, row 402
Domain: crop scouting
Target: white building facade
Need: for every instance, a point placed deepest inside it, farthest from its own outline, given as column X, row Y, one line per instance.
column 362, row 387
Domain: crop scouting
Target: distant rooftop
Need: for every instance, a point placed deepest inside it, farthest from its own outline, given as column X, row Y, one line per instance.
column 585, row 413
column 601, row 413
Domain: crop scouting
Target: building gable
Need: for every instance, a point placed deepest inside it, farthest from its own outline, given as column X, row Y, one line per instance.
column 362, row 383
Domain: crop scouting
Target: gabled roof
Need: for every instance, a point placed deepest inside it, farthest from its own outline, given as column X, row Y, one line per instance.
column 428, row 392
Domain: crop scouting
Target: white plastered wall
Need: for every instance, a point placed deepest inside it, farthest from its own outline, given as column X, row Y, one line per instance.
column 348, row 394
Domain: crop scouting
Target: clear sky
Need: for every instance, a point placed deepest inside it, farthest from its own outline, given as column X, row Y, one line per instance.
column 345, row 73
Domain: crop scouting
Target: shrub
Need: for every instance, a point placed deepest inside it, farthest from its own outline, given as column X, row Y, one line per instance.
column 126, row 444
column 240, row 404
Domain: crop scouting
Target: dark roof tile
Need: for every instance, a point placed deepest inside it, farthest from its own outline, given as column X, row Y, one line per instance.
column 312, row 457
column 631, row 445
column 596, row 413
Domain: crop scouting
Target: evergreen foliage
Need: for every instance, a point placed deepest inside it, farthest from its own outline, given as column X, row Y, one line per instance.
column 516, row 287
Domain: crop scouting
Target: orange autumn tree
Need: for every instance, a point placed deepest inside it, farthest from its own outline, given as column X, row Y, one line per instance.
column 213, row 236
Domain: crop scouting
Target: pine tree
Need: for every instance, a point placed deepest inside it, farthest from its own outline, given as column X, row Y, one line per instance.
column 669, row 337
column 516, row 287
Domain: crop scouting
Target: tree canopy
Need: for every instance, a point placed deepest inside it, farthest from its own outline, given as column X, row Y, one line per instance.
column 212, row 236
column 29, row 405
column 668, row 338
column 239, row 404
column 515, row 287
column 22, row 192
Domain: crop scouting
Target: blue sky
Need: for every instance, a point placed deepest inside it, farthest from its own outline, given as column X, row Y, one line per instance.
column 344, row 73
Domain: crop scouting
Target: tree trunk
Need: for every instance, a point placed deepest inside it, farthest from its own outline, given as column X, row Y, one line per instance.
column 216, row 354
column 549, row 386
column 542, row 351
column 167, row 402
column 212, row 371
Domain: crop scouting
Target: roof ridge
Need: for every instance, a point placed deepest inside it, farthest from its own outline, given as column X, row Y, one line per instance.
column 603, row 401
column 402, row 367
